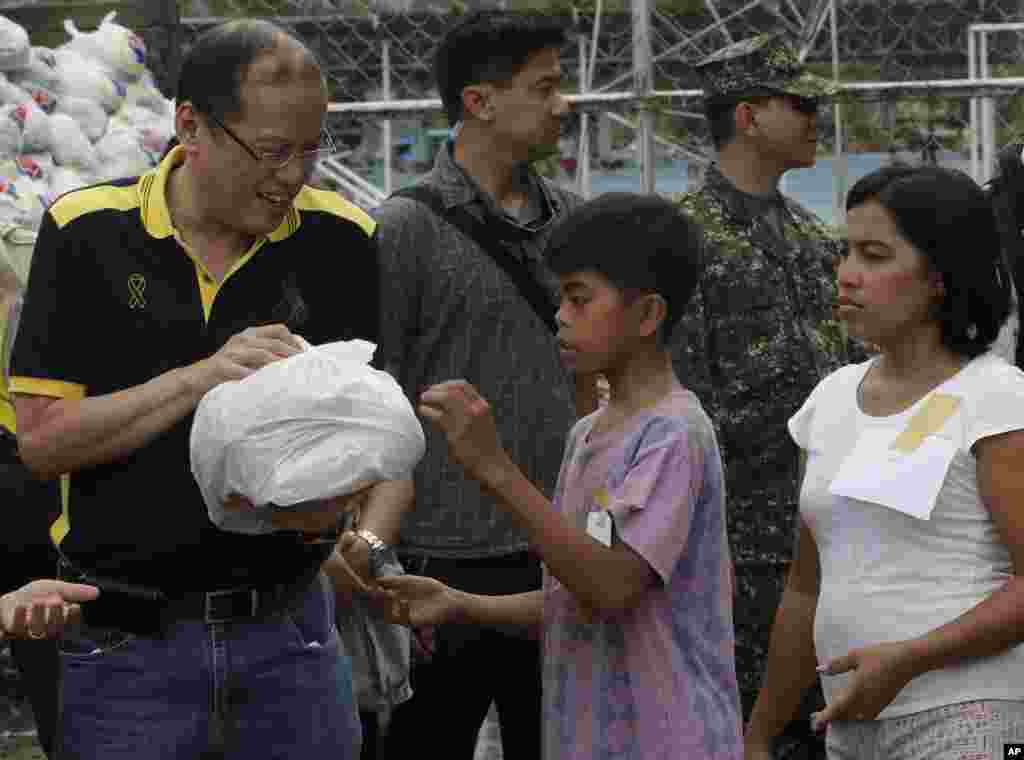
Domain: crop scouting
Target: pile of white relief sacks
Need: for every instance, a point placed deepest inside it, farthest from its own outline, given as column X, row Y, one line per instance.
column 82, row 113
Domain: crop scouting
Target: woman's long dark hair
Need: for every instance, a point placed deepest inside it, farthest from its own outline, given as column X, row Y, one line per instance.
column 1006, row 191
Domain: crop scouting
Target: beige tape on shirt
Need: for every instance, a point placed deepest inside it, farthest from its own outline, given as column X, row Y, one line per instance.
column 929, row 419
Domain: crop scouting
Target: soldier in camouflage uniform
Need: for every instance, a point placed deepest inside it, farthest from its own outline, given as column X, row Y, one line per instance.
column 760, row 333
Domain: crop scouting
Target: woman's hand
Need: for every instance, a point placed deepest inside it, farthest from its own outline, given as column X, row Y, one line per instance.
column 878, row 674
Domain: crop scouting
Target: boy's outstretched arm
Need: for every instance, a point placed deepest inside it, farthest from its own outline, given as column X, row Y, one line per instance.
column 417, row 600
column 606, row 579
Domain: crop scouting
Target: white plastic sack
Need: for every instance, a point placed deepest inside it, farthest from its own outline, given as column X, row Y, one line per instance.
column 145, row 94
column 37, row 134
column 313, row 426
column 12, row 130
column 16, row 245
column 137, row 116
column 40, row 70
column 120, row 51
column 10, row 92
column 44, row 98
column 64, row 179
column 70, row 145
column 151, row 131
column 19, row 203
column 89, row 114
column 82, row 77
column 154, row 141
column 121, row 154
column 33, row 177
column 15, row 48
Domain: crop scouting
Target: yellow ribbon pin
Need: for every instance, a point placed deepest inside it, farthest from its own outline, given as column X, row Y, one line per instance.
column 136, row 290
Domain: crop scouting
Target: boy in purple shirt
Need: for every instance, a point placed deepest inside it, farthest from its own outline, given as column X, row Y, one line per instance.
column 636, row 609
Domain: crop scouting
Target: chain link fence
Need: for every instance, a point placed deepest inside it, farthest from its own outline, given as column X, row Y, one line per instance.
column 380, row 51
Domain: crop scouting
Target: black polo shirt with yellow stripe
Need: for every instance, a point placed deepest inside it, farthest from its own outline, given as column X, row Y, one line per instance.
column 114, row 299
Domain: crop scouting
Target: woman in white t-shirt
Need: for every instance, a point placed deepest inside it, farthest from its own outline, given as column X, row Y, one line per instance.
column 904, row 593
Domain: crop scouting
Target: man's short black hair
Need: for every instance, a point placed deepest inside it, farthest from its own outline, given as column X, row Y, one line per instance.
column 489, row 46
column 948, row 218
column 720, row 112
column 214, row 66
column 639, row 243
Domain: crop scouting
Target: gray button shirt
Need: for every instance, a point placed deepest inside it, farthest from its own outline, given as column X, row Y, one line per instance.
column 450, row 312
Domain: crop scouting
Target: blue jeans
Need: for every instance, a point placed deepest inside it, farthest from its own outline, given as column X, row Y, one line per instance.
column 276, row 687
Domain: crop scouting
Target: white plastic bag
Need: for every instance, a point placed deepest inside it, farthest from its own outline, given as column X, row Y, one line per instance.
column 88, row 113
column 40, row 70
column 15, row 48
column 16, row 245
column 319, row 424
column 121, row 154
column 33, row 177
column 120, row 51
column 82, row 77
column 37, row 134
column 70, row 145
column 145, row 94
column 12, row 130
column 10, row 92
column 64, row 179
column 44, row 98
column 19, row 204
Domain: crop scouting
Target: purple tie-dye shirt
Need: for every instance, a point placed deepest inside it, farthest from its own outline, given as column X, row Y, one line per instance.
column 658, row 682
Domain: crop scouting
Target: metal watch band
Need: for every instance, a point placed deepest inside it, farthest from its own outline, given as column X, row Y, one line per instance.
column 373, row 540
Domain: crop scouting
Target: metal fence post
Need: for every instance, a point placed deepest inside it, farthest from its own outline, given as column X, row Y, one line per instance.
column 385, row 65
column 643, row 86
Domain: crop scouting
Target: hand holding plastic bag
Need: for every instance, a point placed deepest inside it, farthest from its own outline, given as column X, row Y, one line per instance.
column 314, row 426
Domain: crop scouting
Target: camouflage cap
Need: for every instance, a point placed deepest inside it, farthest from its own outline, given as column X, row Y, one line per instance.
column 767, row 62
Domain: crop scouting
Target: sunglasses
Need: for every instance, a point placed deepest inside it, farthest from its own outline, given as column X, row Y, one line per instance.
column 803, row 105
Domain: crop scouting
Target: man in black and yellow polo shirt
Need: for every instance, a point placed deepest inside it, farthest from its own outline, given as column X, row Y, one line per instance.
column 144, row 294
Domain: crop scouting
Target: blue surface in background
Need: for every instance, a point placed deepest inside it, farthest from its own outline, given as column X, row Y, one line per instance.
column 814, row 187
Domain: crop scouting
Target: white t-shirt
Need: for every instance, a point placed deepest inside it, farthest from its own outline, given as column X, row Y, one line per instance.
column 888, row 576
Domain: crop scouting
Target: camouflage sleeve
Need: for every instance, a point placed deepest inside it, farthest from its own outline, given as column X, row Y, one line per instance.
column 692, row 342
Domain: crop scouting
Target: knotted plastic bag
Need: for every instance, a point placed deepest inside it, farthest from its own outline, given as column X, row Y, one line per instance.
column 85, row 78
column 320, row 424
column 15, row 48
column 120, row 51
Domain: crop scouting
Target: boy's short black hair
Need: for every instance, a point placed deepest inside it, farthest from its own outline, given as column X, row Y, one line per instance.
column 489, row 46
column 639, row 243
column 950, row 221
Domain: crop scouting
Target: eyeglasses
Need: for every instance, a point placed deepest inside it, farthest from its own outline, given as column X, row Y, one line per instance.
column 803, row 105
column 281, row 157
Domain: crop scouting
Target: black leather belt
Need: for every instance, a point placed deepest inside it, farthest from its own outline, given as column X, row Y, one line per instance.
column 227, row 605
column 148, row 611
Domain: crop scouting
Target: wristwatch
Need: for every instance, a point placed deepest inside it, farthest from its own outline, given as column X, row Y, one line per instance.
column 378, row 549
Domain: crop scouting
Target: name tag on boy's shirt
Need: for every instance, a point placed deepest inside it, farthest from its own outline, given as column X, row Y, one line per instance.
column 599, row 522
column 599, row 527
column 901, row 470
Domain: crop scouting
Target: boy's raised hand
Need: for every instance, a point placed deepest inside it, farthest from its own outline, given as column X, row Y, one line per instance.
column 457, row 408
column 417, row 600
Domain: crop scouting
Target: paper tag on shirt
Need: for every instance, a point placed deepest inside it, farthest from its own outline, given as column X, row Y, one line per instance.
column 929, row 419
column 599, row 527
column 905, row 481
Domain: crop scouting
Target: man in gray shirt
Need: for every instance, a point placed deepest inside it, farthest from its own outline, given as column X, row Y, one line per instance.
column 454, row 309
